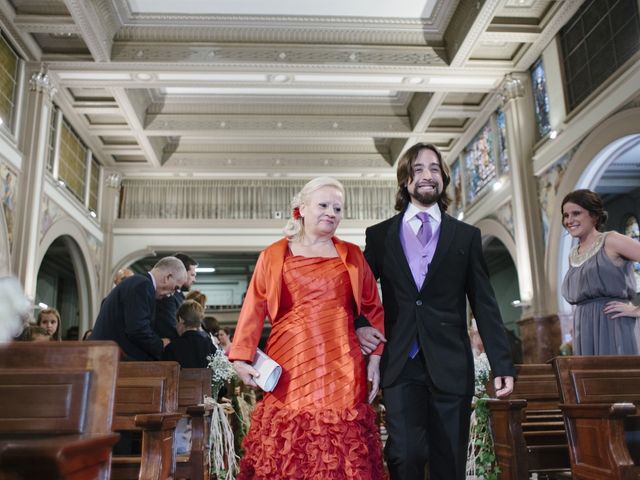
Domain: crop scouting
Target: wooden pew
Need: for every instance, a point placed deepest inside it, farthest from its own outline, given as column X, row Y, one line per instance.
column 56, row 409
column 600, row 398
column 147, row 401
column 195, row 383
column 528, row 430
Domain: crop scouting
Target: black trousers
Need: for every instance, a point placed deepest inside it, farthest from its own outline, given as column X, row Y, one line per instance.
column 425, row 426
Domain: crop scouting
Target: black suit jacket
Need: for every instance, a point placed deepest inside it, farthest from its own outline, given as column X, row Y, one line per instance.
column 125, row 317
column 164, row 323
column 190, row 350
column 436, row 313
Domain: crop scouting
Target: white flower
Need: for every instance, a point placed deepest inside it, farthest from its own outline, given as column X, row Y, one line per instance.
column 13, row 306
column 221, row 369
column 482, row 372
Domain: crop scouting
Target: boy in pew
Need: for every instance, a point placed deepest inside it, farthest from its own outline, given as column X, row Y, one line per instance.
column 193, row 346
column 190, row 350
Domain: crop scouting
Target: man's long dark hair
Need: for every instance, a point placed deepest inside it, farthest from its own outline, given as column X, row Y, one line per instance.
column 405, row 174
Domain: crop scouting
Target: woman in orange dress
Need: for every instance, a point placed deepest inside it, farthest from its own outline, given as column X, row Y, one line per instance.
column 317, row 423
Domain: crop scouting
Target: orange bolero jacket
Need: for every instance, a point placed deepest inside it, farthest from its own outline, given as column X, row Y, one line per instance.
column 263, row 295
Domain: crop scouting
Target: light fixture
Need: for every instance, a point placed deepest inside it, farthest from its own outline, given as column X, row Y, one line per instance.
column 1, row 121
column 497, row 186
column 460, row 216
column 520, row 304
column 93, row 214
column 61, row 183
column 205, row 269
column 553, row 134
column 42, row 305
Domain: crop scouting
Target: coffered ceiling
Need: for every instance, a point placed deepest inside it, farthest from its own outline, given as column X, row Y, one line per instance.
column 277, row 88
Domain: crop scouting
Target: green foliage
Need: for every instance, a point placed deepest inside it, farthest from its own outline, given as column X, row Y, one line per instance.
column 485, row 457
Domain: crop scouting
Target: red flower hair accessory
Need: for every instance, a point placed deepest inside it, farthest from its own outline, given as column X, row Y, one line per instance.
column 296, row 213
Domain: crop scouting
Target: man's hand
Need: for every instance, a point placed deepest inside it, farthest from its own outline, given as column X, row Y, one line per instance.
column 503, row 386
column 373, row 376
column 369, row 338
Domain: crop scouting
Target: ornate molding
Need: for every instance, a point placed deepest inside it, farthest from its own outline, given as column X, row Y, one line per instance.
column 94, row 27
column 113, row 180
column 42, row 82
column 296, row 125
column 278, row 55
column 510, row 89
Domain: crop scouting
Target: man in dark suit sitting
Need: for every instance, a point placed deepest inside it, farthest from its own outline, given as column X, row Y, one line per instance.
column 127, row 312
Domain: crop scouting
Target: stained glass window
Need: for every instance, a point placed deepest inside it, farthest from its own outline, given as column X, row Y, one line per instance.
column 9, row 63
column 503, row 154
column 540, row 97
column 456, row 187
column 479, row 162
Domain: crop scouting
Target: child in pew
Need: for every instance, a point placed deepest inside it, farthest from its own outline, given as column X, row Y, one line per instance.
column 193, row 346
column 190, row 350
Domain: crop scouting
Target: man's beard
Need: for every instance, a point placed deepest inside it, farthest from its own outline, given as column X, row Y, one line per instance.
column 427, row 198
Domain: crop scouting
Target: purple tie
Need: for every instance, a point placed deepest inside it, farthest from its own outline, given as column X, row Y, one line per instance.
column 424, row 232
column 424, row 235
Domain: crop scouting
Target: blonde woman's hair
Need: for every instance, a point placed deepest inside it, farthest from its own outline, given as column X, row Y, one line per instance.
column 293, row 230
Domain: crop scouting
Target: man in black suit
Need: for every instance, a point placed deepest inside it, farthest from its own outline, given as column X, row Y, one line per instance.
column 126, row 314
column 429, row 264
column 164, row 323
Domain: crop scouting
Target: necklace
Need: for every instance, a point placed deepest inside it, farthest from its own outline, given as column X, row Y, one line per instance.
column 577, row 258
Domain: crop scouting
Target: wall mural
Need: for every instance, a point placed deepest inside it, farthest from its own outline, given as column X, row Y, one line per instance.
column 504, row 215
column 479, row 162
column 503, row 153
column 9, row 191
column 548, row 183
column 50, row 213
column 540, row 97
column 456, row 187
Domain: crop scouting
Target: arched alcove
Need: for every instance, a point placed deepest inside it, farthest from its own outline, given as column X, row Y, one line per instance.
column 597, row 151
column 67, row 236
column 499, row 252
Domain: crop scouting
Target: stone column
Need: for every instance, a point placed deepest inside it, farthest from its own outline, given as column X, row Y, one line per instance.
column 34, row 141
column 539, row 331
column 110, row 199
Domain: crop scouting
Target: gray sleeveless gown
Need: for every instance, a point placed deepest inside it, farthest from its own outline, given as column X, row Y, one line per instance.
column 589, row 287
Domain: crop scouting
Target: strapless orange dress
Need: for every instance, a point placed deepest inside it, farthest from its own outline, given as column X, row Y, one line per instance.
column 316, row 424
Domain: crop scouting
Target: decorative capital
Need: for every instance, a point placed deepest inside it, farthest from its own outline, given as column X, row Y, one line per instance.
column 510, row 89
column 114, row 180
column 41, row 82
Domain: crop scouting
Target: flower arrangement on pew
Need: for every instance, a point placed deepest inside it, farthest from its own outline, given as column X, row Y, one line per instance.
column 223, row 458
column 481, row 457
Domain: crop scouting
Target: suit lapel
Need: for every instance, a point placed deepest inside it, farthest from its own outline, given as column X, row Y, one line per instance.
column 447, row 231
column 394, row 246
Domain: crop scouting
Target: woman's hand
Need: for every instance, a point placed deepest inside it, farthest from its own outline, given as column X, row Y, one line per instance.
column 621, row 309
column 373, row 376
column 246, row 372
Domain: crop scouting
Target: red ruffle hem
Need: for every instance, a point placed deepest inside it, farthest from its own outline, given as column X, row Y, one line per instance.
column 323, row 444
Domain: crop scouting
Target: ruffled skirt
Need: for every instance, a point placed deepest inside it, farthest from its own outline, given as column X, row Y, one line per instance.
column 322, row 444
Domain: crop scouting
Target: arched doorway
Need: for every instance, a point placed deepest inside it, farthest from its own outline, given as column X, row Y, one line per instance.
column 503, row 276
column 60, row 284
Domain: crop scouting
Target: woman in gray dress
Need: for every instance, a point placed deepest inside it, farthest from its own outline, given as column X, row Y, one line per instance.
column 600, row 281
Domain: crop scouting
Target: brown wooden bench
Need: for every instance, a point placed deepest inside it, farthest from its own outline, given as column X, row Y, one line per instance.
column 528, row 429
column 195, row 383
column 600, row 398
column 56, row 409
column 146, row 402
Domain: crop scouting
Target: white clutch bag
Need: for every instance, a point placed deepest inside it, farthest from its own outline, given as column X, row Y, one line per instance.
column 269, row 370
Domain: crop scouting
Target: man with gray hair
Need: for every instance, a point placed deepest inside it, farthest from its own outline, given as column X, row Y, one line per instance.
column 127, row 312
